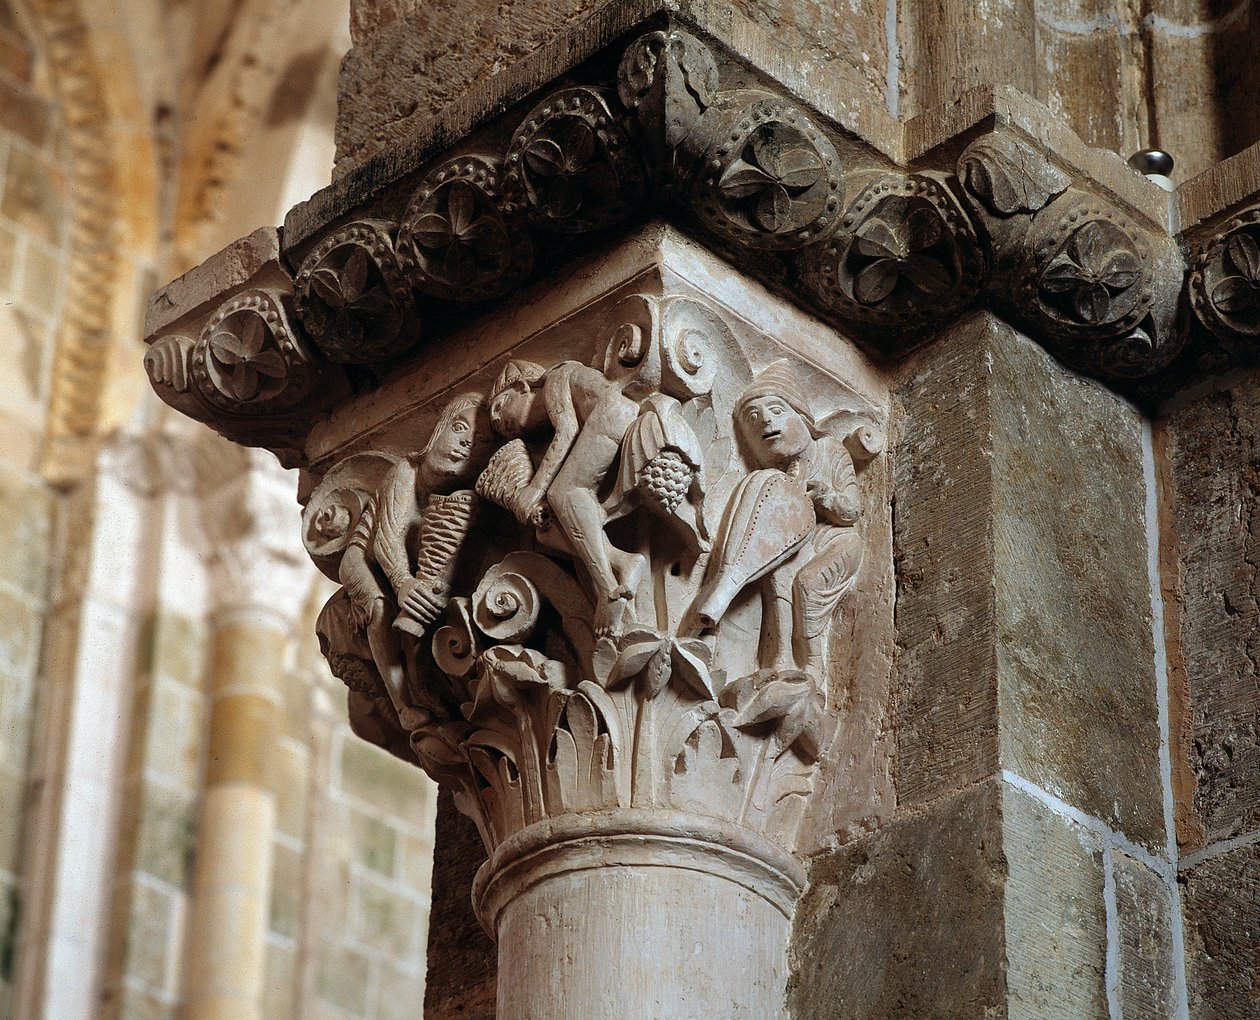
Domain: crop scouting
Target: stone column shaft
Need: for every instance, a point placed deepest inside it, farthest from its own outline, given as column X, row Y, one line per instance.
column 232, row 877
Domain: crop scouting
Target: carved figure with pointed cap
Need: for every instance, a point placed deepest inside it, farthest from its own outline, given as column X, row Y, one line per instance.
column 789, row 526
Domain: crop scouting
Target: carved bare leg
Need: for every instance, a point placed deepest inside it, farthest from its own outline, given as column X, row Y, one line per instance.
column 579, row 512
column 388, row 656
column 776, row 622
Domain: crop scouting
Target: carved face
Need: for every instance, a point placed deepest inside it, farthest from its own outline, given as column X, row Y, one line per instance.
column 453, row 451
column 775, row 433
column 510, row 412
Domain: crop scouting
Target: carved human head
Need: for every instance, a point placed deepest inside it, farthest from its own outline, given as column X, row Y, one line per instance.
column 459, row 444
column 773, row 417
column 512, row 397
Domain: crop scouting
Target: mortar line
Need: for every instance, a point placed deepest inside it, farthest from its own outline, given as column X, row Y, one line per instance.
column 1164, row 718
column 1216, row 849
column 1111, row 913
column 1109, row 837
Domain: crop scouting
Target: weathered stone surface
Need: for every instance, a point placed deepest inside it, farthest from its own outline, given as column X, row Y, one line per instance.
column 462, row 962
column 906, row 922
column 1075, row 652
column 1213, row 474
column 946, row 728
column 1022, row 577
column 1085, row 88
column 949, row 47
column 1144, row 920
column 1203, row 78
column 1222, row 912
column 1056, row 929
column 416, row 68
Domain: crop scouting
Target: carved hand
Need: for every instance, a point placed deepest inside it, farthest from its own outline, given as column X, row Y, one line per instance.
column 530, row 506
column 420, row 601
column 835, row 507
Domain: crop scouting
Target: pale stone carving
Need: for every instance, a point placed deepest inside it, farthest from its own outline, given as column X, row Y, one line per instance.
column 581, row 635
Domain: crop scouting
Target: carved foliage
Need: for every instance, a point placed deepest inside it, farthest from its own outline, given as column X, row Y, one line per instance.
column 669, row 79
column 570, row 163
column 354, row 299
column 771, row 178
column 457, row 237
column 906, row 255
column 1225, row 283
column 579, row 659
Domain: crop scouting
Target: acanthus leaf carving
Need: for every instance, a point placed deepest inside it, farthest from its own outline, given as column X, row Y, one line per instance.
column 576, row 655
column 1009, row 176
column 669, row 79
column 353, row 297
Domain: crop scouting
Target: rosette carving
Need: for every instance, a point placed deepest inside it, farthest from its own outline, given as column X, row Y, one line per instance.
column 1089, row 280
column 906, row 255
column 456, row 238
column 248, row 356
column 772, row 179
column 1225, row 283
column 353, row 297
column 571, row 164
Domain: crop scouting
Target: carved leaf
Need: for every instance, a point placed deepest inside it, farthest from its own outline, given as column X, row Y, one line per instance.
column 876, row 281
column 928, row 275
column 327, row 286
column 430, row 231
column 1234, row 294
column 1092, row 302
column 923, row 228
column 878, row 241
column 774, row 209
column 461, row 206
column 797, row 167
column 1061, row 276
column 743, row 180
column 1245, row 254
column 1011, row 176
column 691, row 668
column 545, row 157
column 354, row 276
column 794, row 706
column 1121, row 270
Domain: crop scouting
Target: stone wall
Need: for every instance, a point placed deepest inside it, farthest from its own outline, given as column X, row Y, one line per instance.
column 33, row 219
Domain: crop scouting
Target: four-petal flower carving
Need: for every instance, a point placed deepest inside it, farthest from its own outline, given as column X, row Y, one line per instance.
column 1239, row 293
column 355, row 289
column 246, row 362
column 656, row 658
column 459, row 235
column 899, row 242
column 1096, row 266
column 567, row 171
column 775, row 168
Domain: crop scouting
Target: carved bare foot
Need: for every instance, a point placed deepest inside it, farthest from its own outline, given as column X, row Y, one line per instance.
column 613, row 613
